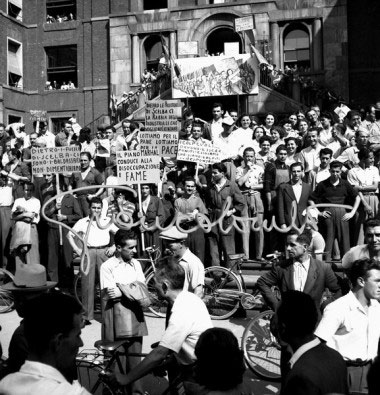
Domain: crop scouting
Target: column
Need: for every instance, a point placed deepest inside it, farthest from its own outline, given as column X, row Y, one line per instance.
column 317, row 45
column 135, row 59
column 173, row 46
column 275, row 37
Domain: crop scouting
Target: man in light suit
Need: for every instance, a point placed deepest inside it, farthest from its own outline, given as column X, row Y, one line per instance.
column 293, row 191
column 313, row 362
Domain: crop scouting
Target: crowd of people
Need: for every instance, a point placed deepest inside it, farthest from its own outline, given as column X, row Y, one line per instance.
column 311, row 168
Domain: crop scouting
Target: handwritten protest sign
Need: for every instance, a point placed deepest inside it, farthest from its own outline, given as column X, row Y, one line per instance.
column 190, row 152
column 135, row 168
column 55, row 160
column 245, row 23
column 159, row 143
column 163, row 116
column 37, row 115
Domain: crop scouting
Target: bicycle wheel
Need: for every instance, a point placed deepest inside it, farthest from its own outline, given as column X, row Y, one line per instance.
column 78, row 292
column 221, row 292
column 6, row 297
column 158, row 306
column 261, row 349
column 88, row 377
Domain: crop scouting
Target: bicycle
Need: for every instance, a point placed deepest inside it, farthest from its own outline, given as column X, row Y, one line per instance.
column 225, row 290
column 6, row 297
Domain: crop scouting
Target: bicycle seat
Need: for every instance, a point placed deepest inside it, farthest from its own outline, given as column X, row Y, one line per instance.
column 104, row 345
column 235, row 257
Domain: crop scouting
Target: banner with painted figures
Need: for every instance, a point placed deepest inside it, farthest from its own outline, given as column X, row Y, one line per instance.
column 216, row 76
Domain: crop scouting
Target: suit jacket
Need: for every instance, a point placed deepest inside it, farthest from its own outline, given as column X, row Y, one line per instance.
column 155, row 209
column 319, row 277
column 320, row 370
column 285, row 198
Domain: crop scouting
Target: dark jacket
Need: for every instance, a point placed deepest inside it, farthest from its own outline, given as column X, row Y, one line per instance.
column 320, row 276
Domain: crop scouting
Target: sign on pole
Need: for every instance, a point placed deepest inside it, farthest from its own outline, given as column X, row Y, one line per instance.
column 135, row 168
column 245, row 23
column 163, row 116
column 55, row 160
column 159, row 143
column 190, row 152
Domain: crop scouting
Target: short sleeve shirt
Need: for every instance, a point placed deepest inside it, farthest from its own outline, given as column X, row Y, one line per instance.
column 194, row 271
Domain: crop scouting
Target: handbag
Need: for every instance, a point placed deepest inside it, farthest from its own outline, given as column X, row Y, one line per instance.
column 136, row 292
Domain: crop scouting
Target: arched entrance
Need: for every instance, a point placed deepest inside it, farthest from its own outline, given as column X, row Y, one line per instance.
column 153, row 50
column 216, row 39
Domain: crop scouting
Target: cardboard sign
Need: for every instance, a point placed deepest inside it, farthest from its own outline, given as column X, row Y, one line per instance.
column 55, row 160
column 187, row 48
column 163, row 116
column 159, row 143
column 190, row 152
column 231, row 49
column 135, row 168
column 245, row 23
column 38, row 115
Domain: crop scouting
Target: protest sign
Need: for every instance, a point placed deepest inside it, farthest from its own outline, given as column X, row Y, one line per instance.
column 135, row 168
column 55, row 160
column 190, row 152
column 245, row 23
column 187, row 48
column 163, row 116
column 159, row 143
column 38, row 115
column 231, row 49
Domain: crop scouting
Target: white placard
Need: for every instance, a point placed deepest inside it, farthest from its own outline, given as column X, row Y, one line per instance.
column 190, row 152
column 158, row 143
column 135, row 168
column 55, row 160
column 163, row 115
column 245, row 23
column 231, row 49
column 187, row 48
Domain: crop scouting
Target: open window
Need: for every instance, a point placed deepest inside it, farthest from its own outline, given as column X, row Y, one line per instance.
column 14, row 64
column 297, row 47
column 15, row 9
column 62, row 67
column 58, row 11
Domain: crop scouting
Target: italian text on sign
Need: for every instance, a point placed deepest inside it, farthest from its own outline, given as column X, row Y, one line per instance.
column 135, row 168
column 163, row 115
column 190, row 152
column 159, row 143
column 245, row 23
column 55, row 160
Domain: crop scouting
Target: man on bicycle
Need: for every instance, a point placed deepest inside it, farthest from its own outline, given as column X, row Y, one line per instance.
column 189, row 318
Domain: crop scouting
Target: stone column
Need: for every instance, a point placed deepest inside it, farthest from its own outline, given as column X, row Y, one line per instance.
column 317, row 45
column 135, row 59
column 172, row 44
column 275, row 37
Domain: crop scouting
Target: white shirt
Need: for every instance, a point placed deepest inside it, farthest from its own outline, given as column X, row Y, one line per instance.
column 363, row 177
column 297, row 189
column 300, row 270
column 302, row 350
column 188, row 320
column 36, row 378
column 115, row 270
column 6, row 197
column 194, row 271
column 322, row 174
column 255, row 177
column 216, row 128
column 349, row 329
column 49, row 137
column 310, row 157
column 31, row 205
column 97, row 237
column 229, row 146
column 353, row 254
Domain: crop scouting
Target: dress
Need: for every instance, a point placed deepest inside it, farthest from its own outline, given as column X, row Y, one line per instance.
column 36, row 378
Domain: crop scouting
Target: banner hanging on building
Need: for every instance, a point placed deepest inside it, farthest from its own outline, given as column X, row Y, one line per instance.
column 216, row 76
column 135, row 168
column 190, row 152
column 55, row 160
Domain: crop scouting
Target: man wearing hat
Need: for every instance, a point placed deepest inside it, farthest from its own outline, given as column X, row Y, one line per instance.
column 29, row 282
column 175, row 245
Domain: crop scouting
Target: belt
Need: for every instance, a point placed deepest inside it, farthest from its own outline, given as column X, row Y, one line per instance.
column 97, row 248
column 358, row 362
column 368, row 193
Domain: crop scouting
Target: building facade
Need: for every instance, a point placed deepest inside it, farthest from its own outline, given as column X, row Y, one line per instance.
column 97, row 47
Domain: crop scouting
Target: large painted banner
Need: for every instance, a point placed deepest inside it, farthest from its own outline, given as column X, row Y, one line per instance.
column 216, row 76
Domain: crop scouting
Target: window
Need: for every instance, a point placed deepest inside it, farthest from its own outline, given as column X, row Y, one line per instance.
column 14, row 64
column 155, row 4
column 57, row 124
column 62, row 67
column 15, row 9
column 297, row 48
column 14, row 119
column 60, row 10
column 153, row 51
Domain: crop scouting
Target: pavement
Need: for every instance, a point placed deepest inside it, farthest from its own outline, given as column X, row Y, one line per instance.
column 9, row 322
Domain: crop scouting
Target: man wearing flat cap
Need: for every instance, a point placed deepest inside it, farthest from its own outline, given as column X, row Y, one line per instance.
column 175, row 245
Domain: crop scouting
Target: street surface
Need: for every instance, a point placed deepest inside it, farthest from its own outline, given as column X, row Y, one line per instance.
column 10, row 321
